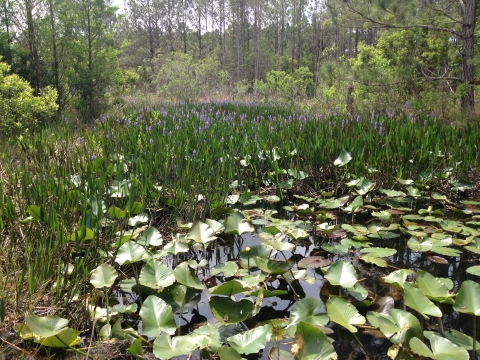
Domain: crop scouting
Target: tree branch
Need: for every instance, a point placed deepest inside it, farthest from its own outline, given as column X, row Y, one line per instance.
column 391, row 26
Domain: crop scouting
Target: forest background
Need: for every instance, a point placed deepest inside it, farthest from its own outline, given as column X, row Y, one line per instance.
column 85, row 57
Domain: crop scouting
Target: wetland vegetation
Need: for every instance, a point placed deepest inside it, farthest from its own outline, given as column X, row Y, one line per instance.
column 197, row 229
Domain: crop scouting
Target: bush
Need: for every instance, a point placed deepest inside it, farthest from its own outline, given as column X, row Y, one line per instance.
column 285, row 87
column 21, row 110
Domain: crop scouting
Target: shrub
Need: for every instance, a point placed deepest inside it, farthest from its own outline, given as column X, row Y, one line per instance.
column 21, row 110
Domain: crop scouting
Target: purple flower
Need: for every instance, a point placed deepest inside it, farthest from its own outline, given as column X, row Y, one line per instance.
column 343, row 123
column 381, row 131
column 222, row 139
column 194, row 152
column 148, row 128
column 170, row 133
column 93, row 157
column 301, row 127
column 358, row 118
column 79, row 141
column 151, row 141
column 425, row 123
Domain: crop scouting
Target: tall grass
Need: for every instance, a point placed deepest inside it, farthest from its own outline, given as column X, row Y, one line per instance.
column 180, row 161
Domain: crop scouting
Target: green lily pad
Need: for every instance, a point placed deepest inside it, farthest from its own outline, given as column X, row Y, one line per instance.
column 46, row 326
column 468, row 298
column 343, row 159
column 67, row 337
column 201, row 233
column 270, row 266
column 229, row 311
column 229, row 288
column 400, row 326
column 314, row 262
column 103, row 276
column 442, row 349
column 262, row 251
column 150, row 237
column 392, row 193
column 343, row 313
column 379, row 252
column 166, row 347
column 251, row 341
column 130, row 252
column 342, row 273
column 157, row 316
column 415, row 299
column 156, row 275
column 309, row 311
column 237, row 224
column 311, row 343
column 432, row 287
column 228, row 269
column 176, row 247
column 185, row 275
column 474, row 270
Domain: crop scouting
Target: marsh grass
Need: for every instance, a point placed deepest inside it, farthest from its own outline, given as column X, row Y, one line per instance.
column 181, row 162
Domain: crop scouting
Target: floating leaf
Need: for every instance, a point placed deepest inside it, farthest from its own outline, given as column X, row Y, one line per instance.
column 229, row 311
column 67, row 337
column 343, row 313
column 309, row 311
column 474, row 270
column 392, row 193
column 379, row 252
column 166, row 347
column 262, row 251
column 46, row 326
column 150, row 237
column 237, row 224
column 343, row 159
column 228, row 269
column 228, row 353
column 355, row 205
column 374, row 260
column 180, row 297
column 186, row 276
column 129, row 252
column 442, row 349
column 432, row 287
column 468, row 298
column 201, row 233
column 156, row 275
column 251, row 341
column 270, row 266
column 400, row 326
column 229, row 288
column 157, row 316
column 314, row 262
column 415, row 299
column 103, row 276
column 311, row 343
column 342, row 273
column 176, row 247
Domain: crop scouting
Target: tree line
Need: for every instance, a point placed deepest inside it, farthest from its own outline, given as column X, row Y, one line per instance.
column 341, row 55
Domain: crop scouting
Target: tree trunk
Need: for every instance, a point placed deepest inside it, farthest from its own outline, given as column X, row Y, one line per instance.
column 468, row 75
column 56, row 76
column 32, row 39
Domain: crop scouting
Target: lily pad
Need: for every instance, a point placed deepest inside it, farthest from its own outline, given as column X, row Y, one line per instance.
column 251, row 341
column 311, row 343
column 157, row 316
column 342, row 273
column 343, row 313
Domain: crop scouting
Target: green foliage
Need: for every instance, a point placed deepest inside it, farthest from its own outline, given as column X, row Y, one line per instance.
column 182, row 78
column 21, row 110
column 285, row 87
